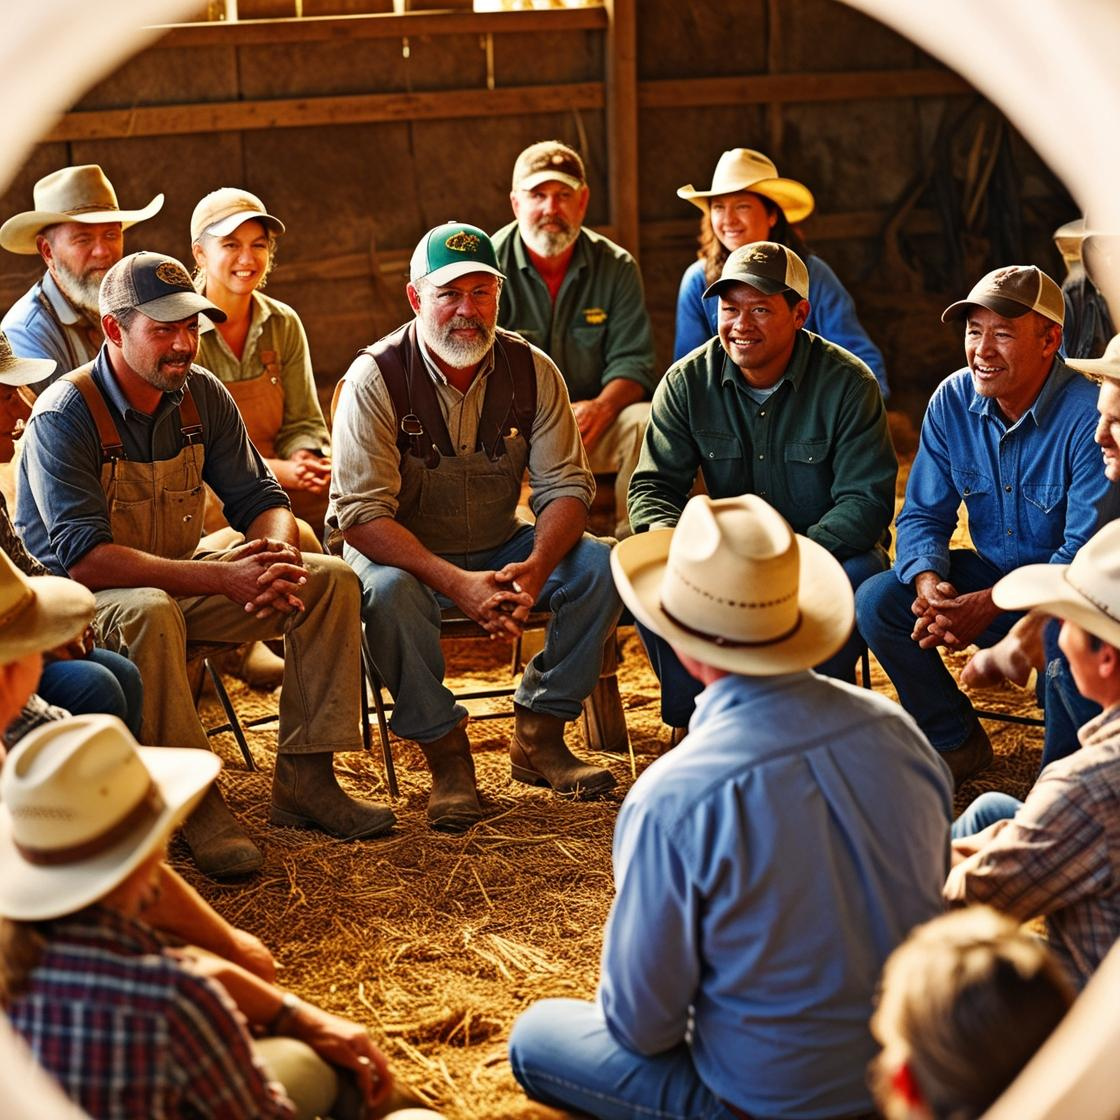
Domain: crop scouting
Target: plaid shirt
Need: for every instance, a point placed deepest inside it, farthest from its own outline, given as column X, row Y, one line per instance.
column 1060, row 855
column 130, row 1033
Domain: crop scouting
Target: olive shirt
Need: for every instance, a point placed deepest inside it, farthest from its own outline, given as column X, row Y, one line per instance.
column 817, row 448
column 598, row 330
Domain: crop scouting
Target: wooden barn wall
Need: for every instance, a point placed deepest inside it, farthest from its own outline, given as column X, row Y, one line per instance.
column 357, row 192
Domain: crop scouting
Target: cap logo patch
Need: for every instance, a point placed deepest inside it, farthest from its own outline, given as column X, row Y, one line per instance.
column 173, row 274
column 759, row 255
column 463, row 242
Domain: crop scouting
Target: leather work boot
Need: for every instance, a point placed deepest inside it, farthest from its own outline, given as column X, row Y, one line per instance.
column 972, row 756
column 220, row 846
column 255, row 664
column 539, row 756
column 306, row 794
column 453, row 805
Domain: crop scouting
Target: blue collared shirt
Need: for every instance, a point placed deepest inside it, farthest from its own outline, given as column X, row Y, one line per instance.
column 61, row 509
column 764, row 870
column 1031, row 488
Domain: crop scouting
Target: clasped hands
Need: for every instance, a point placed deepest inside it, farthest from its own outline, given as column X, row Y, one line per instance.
column 265, row 576
column 947, row 618
column 499, row 601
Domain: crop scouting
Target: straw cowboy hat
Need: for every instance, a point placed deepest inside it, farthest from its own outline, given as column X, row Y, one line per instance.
column 744, row 169
column 734, row 587
column 1107, row 365
column 82, row 806
column 1086, row 591
column 72, row 194
column 22, row 371
column 39, row 612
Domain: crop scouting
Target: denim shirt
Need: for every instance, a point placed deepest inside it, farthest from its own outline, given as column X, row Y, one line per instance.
column 1031, row 488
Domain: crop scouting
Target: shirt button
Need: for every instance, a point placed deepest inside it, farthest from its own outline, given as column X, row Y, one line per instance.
column 188, row 517
column 1008, row 488
column 810, row 458
column 762, row 456
column 711, row 454
column 762, row 413
column 967, row 491
column 1009, row 532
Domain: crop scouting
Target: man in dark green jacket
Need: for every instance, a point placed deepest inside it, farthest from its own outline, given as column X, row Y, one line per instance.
column 768, row 408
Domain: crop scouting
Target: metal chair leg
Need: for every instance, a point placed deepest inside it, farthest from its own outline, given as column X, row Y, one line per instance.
column 233, row 723
column 374, row 682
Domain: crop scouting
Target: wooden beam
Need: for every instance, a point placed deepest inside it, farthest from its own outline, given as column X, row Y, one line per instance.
column 301, row 112
column 380, row 25
column 622, row 120
column 759, row 89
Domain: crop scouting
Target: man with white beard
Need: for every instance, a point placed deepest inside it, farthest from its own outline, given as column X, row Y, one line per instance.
column 434, row 427
column 77, row 227
column 578, row 296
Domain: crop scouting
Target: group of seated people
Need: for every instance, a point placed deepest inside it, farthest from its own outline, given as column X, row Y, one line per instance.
column 798, row 831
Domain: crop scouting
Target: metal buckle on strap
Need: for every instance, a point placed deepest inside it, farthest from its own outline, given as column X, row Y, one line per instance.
column 112, row 452
column 192, row 433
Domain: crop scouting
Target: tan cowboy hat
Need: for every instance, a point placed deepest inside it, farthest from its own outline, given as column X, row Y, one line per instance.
column 82, row 806
column 72, row 194
column 1086, row 591
column 1107, row 365
column 734, row 587
column 22, row 371
column 39, row 612
column 744, row 169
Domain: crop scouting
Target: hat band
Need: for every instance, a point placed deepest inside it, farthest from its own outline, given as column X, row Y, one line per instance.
column 145, row 811
column 730, row 643
column 91, row 209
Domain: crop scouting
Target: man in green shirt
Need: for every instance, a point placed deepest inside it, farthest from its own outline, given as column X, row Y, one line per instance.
column 578, row 296
column 768, row 408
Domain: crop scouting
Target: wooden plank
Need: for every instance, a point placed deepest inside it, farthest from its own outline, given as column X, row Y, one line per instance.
column 303, row 112
column 775, row 118
column 379, row 25
column 622, row 120
column 793, row 88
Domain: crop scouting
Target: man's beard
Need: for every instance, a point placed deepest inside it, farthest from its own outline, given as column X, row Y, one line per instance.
column 459, row 353
column 81, row 291
column 549, row 237
column 167, row 376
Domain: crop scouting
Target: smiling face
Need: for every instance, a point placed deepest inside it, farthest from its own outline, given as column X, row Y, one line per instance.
column 740, row 219
column 1009, row 358
column 758, row 331
column 549, row 215
column 237, row 262
column 1108, row 429
column 160, row 353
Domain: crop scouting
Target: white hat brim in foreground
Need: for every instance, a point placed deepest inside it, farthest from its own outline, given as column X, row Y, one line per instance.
column 1045, row 587
column 826, row 603
column 33, row 892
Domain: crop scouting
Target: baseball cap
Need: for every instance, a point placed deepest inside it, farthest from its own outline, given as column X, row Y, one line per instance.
column 156, row 286
column 1011, row 292
column 765, row 265
column 223, row 210
column 452, row 250
column 548, row 159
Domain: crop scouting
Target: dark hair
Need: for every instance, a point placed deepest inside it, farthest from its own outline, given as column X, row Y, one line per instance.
column 125, row 317
column 713, row 253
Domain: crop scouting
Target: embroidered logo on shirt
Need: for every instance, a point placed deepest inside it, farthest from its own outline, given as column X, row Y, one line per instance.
column 463, row 242
column 594, row 316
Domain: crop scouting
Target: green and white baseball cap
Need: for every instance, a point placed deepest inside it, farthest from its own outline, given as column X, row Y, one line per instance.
column 452, row 250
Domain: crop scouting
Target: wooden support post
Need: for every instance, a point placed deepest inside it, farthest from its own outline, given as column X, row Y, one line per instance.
column 622, row 120
column 774, row 66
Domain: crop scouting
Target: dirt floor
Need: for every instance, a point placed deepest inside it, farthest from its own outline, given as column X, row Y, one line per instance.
column 435, row 942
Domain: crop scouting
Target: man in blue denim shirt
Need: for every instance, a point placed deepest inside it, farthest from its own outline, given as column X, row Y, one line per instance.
column 1011, row 436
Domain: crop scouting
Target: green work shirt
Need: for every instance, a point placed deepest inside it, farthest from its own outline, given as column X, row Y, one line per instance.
column 598, row 329
column 818, row 449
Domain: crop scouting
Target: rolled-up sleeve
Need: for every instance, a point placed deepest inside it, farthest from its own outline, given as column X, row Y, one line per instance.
column 303, row 426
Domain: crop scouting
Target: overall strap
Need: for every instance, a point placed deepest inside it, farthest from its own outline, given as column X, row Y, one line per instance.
column 511, row 395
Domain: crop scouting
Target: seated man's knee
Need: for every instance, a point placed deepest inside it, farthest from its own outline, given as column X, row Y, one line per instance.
column 879, row 597
column 386, row 590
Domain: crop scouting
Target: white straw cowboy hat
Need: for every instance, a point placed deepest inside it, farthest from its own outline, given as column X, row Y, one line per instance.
column 1107, row 365
column 82, row 806
column 734, row 587
column 22, row 371
column 39, row 612
column 1086, row 591
column 72, row 194
column 744, row 169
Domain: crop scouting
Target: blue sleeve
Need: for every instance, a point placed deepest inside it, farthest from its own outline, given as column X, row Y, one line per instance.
column 833, row 316
column 695, row 323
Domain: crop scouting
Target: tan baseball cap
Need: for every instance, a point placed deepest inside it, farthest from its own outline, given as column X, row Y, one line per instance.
column 765, row 265
column 548, row 159
column 222, row 211
column 1012, row 292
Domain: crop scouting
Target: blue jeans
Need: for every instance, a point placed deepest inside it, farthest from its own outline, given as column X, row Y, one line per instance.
column 679, row 688
column 563, row 1055
column 105, row 682
column 402, row 621
column 985, row 810
column 1066, row 709
column 926, row 688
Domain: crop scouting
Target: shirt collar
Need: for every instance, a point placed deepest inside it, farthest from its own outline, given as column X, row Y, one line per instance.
column 795, row 369
column 260, row 312
column 107, row 382
column 67, row 313
column 521, row 253
column 1047, row 401
column 113, row 928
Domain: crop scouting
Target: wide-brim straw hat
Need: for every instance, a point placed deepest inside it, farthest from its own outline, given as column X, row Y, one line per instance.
column 734, row 587
column 1107, row 365
column 744, row 169
column 39, row 613
column 22, row 371
column 1085, row 591
column 83, row 806
column 72, row 194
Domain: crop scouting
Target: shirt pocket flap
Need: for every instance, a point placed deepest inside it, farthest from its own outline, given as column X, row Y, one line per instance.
column 807, row 451
column 969, row 482
column 1044, row 495
column 718, row 445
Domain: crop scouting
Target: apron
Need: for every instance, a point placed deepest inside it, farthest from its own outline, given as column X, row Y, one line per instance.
column 260, row 400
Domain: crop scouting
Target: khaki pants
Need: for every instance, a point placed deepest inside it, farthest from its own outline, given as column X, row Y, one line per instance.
column 618, row 451
column 321, row 691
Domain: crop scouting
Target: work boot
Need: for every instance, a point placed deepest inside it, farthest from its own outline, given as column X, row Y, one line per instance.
column 972, row 756
column 539, row 757
column 220, row 846
column 453, row 805
column 255, row 664
column 306, row 794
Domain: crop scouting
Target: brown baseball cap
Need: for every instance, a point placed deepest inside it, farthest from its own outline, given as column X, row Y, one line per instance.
column 156, row 286
column 765, row 265
column 1011, row 292
column 548, row 159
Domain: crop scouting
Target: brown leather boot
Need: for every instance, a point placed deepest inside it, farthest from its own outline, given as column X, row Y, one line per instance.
column 539, row 757
column 972, row 756
column 453, row 805
column 306, row 794
column 220, row 846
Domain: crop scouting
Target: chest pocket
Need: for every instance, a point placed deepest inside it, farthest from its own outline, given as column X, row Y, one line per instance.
column 1044, row 507
column 715, row 446
column 808, row 477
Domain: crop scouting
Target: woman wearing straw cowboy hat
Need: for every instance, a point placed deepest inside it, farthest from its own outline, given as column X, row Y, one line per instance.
column 766, row 866
column 749, row 202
